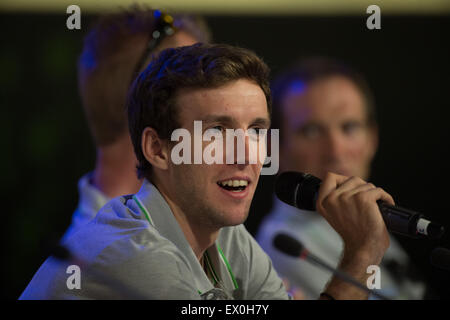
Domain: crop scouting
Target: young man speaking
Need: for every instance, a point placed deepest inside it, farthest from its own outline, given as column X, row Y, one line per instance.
column 181, row 236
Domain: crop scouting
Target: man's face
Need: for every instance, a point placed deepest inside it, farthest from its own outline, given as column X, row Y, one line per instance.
column 199, row 188
column 325, row 129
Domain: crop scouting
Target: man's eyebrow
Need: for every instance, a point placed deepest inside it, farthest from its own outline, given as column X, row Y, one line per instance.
column 264, row 122
column 217, row 118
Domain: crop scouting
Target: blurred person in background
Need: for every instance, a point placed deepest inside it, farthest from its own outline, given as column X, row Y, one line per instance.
column 115, row 50
column 326, row 115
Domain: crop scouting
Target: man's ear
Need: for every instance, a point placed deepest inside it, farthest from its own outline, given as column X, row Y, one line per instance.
column 155, row 150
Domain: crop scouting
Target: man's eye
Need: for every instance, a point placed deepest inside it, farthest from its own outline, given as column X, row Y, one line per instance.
column 218, row 128
column 310, row 131
column 351, row 127
column 256, row 133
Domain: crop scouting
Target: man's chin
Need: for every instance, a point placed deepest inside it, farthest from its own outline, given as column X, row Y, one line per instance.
column 234, row 218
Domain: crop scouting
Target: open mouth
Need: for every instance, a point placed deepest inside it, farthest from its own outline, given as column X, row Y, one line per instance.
column 233, row 185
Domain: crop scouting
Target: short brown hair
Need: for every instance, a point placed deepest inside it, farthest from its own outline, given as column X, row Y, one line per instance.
column 105, row 71
column 151, row 101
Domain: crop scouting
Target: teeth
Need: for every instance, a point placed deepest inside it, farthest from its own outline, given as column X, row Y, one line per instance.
column 243, row 183
column 234, row 183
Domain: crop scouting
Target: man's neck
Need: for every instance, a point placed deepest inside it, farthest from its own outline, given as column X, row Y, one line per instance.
column 115, row 169
column 199, row 236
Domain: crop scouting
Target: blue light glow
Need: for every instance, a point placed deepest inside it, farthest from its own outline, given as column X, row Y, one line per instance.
column 297, row 87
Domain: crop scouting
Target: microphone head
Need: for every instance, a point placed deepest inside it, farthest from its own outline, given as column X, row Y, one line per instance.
column 440, row 258
column 298, row 189
column 288, row 245
column 435, row 231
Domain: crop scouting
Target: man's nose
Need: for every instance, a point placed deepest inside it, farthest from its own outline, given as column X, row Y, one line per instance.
column 241, row 153
column 334, row 145
column 243, row 158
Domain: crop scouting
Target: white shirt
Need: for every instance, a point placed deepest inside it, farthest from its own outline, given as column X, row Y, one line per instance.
column 91, row 200
column 134, row 248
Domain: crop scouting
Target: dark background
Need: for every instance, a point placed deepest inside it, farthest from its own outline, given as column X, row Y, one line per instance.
column 46, row 145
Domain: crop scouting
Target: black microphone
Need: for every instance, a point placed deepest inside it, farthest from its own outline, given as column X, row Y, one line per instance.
column 294, row 248
column 301, row 190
